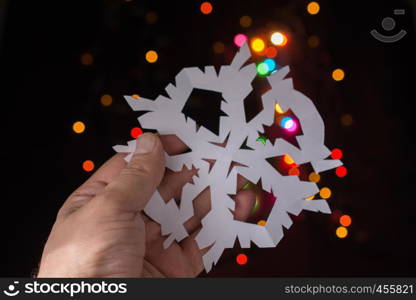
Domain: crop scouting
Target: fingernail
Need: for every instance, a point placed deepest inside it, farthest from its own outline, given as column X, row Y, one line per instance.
column 145, row 143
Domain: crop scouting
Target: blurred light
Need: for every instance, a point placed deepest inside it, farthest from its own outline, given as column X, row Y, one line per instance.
column 245, row 21
column 262, row 68
column 78, row 127
column 206, row 8
column 341, row 232
column 257, row 45
column 345, row 220
column 218, row 48
column 278, row 39
column 338, row 74
column 271, row 64
column 106, row 100
column 278, row 109
column 341, row 171
column 288, row 159
column 246, row 186
column 256, row 205
column 314, row 177
column 241, row 259
column 325, row 193
column 88, row 165
column 136, row 132
column 261, row 223
column 336, row 153
column 310, row 198
column 151, row 17
column 289, row 124
column 271, row 52
column 294, row 171
column 313, row 41
column 135, row 96
column 151, row 56
column 262, row 139
column 313, row 8
column 240, row 39
column 346, row 120
column 87, row 59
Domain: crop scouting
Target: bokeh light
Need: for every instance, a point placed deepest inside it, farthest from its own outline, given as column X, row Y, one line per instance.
column 87, row 59
column 271, row 64
column 336, row 153
column 78, row 127
column 88, row 165
column 345, row 220
column 289, row 124
column 313, row 41
column 341, row 171
column 325, row 193
column 279, row 109
column 262, row 69
column 346, row 120
column 206, row 8
column 218, row 47
column 294, row 171
column 135, row 96
column 241, row 259
column 341, row 232
column 257, row 45
column 151, row 56
column 246, row 21
column 261, row 223
column 271, row 52
column 310, row 198
column 278, row 39
column 288, row 159
column 151, row 17
column 338, row 74
column 314, row 177
column 136, row 132
column 313, row 7
column 240, row 39
column 106, row 100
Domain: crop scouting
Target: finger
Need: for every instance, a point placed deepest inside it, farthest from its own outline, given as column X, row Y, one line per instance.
column 191, row 250
column 244, row 202
column 137, row 182
column 173, row 182
column 172, row 144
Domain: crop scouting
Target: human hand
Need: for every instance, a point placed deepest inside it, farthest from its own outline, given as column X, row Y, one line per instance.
column 101, row 231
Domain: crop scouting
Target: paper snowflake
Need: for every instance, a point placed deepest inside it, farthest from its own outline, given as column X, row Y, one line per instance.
column 219, row 229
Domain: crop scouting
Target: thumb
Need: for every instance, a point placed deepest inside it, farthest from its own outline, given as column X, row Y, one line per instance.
column 137, row 182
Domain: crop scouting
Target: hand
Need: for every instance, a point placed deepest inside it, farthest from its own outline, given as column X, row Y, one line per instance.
column 101, row 231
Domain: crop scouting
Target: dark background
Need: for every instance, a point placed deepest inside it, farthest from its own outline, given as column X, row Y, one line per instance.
column 45, row 88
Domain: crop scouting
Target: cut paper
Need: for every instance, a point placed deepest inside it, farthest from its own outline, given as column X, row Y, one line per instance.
column 219, row 229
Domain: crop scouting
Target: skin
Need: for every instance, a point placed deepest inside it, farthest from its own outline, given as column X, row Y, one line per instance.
column 101, row 231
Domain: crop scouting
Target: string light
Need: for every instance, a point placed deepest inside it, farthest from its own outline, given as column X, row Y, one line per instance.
column 341, row 171
column 106, row 100
column 135, row 96
column 151, row 56
column 241, row 259
column 261, row 223
column 271, row 52
column 314, row 177
column 341, row 232
column 294, row 171
column 257, row 45
column 288, row 159
column 136, row 132
column 325, row 193
column 289, row 124
column 345, row 220
column 262, row 68
column 338, row 74
column 271, row 64
column 206, row 8
column 78, row 127
column 313, row 7
column 245, row 21
column 218, row 48
column 240, row 39
column 87, row 59
column 336, row 153
column 88, row 165
column 278, row 39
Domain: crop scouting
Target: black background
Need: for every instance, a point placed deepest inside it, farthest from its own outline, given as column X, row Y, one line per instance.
column 45, row 89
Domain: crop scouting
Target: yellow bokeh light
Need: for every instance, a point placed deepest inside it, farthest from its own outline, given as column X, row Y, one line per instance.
column 151, row 56
column 310, row 198
column 261, row 223
column 313, row 41
column 288, row 159
column 78, row 127
column 338, row 74
column 106, row 100
column 135, row 96
column 313, row 7
column 279, row 109
column 325, row 193
column 341, row 232
column 278, row 39
column 257, row 45
column 246, row 21
column 314, row 177
column 218, row 48
column 87, row 59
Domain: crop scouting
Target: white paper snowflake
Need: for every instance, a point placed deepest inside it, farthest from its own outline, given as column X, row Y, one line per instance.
column 219, row 229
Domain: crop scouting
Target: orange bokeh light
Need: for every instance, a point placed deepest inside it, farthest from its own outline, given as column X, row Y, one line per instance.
column 206, row 8
column 345, row 220
column 88, row 165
